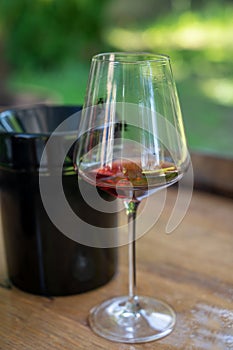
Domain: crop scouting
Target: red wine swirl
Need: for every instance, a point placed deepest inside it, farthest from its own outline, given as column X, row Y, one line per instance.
column 122, row 178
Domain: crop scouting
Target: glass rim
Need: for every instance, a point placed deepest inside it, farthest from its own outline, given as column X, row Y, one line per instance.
column 136, row 57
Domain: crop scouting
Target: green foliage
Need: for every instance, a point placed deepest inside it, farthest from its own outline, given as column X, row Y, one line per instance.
column 44, row 33
column 201, row 48
column 64, row 85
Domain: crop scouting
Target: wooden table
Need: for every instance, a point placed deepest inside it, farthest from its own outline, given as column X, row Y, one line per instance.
column 191, row 269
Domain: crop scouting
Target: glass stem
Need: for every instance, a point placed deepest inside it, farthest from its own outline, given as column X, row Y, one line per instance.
column 131, row 210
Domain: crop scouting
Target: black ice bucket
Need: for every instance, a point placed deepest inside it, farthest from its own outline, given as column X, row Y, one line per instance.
column 40, row 258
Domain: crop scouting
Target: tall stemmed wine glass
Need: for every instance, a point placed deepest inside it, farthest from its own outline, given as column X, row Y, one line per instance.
column 131, row 144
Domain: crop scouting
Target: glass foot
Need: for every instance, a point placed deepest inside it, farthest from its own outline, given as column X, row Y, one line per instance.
column 136, row 320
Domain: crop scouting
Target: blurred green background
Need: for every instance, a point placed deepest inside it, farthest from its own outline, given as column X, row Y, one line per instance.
column 46, row 47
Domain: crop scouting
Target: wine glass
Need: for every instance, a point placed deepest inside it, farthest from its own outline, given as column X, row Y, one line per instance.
column 131, row 144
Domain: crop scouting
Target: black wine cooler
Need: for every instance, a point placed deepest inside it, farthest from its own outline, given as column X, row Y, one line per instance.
column 40, row 258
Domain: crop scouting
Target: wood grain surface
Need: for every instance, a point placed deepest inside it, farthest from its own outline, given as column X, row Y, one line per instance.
column 191, row 269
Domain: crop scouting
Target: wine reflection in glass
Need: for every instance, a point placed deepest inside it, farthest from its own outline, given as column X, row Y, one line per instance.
column 131, row 144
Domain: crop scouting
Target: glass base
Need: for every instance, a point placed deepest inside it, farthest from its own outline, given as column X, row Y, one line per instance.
column 137, row 320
